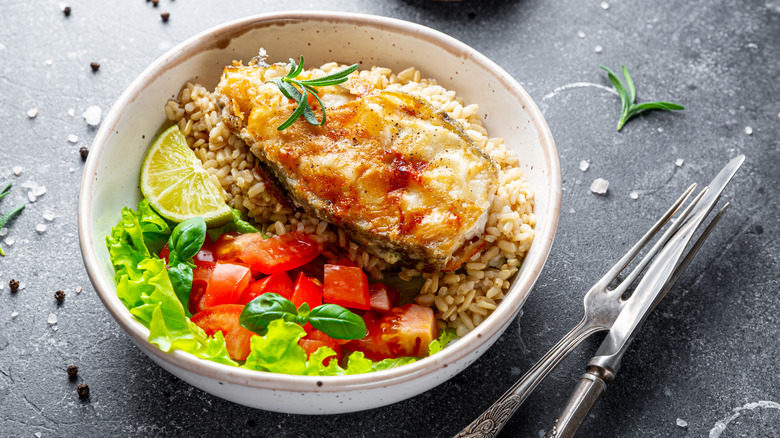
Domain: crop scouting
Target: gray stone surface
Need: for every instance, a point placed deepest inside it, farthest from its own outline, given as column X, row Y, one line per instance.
column 709, row 349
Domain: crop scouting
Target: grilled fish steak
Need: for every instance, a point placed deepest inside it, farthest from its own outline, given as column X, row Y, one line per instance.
column 399, row 176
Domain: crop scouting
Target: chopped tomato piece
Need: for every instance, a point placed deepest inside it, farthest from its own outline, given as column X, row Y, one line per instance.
column 346, row 286
column 405, row 331
column 346, row 262
column 316, row 339
column 280, row 253
column 276, row 283
column 230, row 246
column 382, row 298
column 313, row 269
column 200, row 281
column 307, row 290
column 227, row 283
column 204, row 255
column 224, row 318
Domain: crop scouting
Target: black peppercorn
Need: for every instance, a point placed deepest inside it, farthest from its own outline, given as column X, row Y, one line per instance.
column 14, row 285
column 83, row 152
column 73, row 371
column 165, row 16
column 83, row 390
column 59, row 296
column 66, row 11
column 95, row 66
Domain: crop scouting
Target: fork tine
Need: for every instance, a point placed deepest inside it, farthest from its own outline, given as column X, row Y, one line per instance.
column 623, row 286
column 691, row 253
column 626, row 259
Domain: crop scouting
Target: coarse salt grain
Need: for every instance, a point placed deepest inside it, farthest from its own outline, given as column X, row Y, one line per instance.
column 679, row 162
column 48, row 216
column 17, row 170
column 633, row 195
column 39, row 190
column 584, row 165
column 599, row 186
column 92, row 115
column 581, row 34
column 748, row 130
column 3, row 232
column 682, row 423
column 79, row 289
column 599, row 49
column 31, row 113
column 49, row 62
column 31, row 197
column 14, row 314
column 52, row 319
column 9, row 241
column 604, row 5
column 40, row 228
column 71, row 112
column 22, row 285
column 73, row 138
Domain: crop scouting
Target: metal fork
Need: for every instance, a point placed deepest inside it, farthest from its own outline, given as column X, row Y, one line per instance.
column 602, row 306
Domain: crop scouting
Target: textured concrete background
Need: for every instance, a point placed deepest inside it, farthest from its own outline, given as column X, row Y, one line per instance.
column 707, row 355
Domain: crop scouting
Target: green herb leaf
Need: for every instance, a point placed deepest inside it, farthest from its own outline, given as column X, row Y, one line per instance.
column 337, row 322
column 258, row 313
column 8, row 216
column 298, row 90
column 181, row 280
column 237, row 224
column 5, row 190
column 187, row 238
column 627, row 95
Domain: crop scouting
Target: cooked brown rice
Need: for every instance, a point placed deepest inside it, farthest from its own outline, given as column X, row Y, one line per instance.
column 461, row 299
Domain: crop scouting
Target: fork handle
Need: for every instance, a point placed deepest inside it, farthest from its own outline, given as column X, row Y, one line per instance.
column 498, row 414
column 589, row 389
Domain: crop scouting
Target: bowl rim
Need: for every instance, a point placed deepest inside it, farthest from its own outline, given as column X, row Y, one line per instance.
column 498, row 320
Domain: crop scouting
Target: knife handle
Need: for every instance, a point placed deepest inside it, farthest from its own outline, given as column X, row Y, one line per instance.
column 589, row 389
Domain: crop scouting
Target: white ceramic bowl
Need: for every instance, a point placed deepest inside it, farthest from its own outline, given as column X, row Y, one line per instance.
column 110, row 182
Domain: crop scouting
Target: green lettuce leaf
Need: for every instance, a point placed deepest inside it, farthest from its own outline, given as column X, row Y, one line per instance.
column 278, row 350
column 444, row 339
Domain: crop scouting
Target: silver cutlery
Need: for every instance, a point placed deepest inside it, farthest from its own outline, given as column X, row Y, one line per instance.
column 606, row 309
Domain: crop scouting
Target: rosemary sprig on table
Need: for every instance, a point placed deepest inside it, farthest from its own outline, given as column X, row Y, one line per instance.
column 627, row 93
column 4, row 191
column 287, row 85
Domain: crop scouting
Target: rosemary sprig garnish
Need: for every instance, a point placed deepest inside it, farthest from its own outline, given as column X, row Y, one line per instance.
column 4, row 191
column 627, row 93
column 287, row 85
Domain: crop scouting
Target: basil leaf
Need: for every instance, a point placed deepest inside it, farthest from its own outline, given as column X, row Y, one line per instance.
column 237, row 224
column 181, row 279
column 187, row 238
column 337, row 322
column 259, row 312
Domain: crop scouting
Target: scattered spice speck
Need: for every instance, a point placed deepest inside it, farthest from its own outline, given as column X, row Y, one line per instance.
column 682, row 423
column 155, row 3
column 59, row 296
column 79, row 289
column 165, row 16
column 72, row 371
column 14, row 285
column 32, row 112
column 52, row 319
column 84, row 152
column 599, row 186
column 66, row 10
column 73, row 138
column 83, row 390
column 748, row 130
column 584, row 165
column 598, row 49
column 95, row 66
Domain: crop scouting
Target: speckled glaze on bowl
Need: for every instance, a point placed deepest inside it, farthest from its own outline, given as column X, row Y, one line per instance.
column 110, row 182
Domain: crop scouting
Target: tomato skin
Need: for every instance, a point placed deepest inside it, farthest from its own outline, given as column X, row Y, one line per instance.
column 276, row 283
column 316, row 339
column 346, row 286
column 405, row 331
column 230, row 246
column 200, row 281
column 224, row 318
column 281, row 253
column 307, row 290
column 383, row 298
column 228, row 281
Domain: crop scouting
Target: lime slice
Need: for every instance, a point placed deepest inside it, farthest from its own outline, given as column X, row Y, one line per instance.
column 174, row 181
